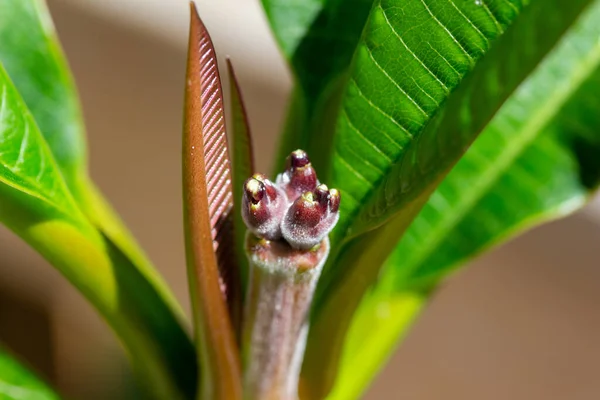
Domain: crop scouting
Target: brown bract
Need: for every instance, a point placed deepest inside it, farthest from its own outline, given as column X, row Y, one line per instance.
column 207, row 217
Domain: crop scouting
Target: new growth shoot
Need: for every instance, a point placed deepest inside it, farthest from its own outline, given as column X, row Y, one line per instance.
column 287, row 245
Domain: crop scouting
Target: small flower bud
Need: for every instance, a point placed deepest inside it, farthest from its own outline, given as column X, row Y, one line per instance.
column 299, row 176
column 334, row 200
column 263, row 207
column 311, row 217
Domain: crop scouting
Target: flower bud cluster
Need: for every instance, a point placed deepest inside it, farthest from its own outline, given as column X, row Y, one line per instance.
column 296, row 208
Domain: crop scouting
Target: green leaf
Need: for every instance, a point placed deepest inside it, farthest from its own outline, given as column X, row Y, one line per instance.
column 318, row 38
column 33, row 58
column 538, row 160
column 31, row 53
column 36, row 204
column 18, row 383
column 27, row 167
column 419, row 92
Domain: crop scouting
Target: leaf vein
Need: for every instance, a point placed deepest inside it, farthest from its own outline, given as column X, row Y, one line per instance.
column 442, row 84
column 448, row 32
column 398, row 124
column 355, row 172
column 413, row 101
column 445, row 60
column 470, row 22
column 359, row 133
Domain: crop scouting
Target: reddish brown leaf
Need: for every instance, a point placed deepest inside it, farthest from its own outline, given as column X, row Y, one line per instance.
column 243, row 166
column 208, row 204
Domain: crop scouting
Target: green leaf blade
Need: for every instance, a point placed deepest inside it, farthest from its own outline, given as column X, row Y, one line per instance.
column 400, row 82
column 318, row 38
column 543, row 128
column 18, row 383
column 526, row 168
column 54, row 225
column 31, row 53
column 36, row 204
column 33, row 58
column 384, row 103
column 26, row 163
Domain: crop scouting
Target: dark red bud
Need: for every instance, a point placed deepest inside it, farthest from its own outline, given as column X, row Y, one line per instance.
column 298, row 159
column 306, row 211
column 321, row 195
column 271, row 190
column 255, row 190
column 334, row 200
column 311, row 217
column 299, row 177
column 263, row 207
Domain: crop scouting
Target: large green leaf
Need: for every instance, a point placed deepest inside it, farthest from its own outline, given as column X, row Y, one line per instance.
column 36, row 204
column 33, row 58
column 537, row 160
column 31, row 53
column 17, row 383
column 419, row 92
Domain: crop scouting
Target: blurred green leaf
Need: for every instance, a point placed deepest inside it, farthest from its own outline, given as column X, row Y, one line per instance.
column 33, row 58
column 31, row 53
column 17, row 383
column 538, row 160
column 26, row 163
column 36, row 204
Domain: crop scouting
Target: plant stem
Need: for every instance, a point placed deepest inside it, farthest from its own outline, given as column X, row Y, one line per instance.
column 281, row 286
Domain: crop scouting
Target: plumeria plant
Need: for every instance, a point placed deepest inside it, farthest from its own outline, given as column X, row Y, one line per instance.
column 419, row 134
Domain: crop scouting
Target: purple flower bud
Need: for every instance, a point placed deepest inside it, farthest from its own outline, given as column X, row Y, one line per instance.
column 299, row 176
column 297, row 159
column 311, row 217
column 334, row 200
column 263, row 207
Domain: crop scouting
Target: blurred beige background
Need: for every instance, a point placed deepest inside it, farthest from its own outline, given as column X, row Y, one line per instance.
column 521, row 323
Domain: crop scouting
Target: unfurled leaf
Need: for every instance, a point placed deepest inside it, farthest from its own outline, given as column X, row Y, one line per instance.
column 49, row 201
column 208, row 204
column 539, row 159
column 36, row 204
column 17, row 383
column 31, row 54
